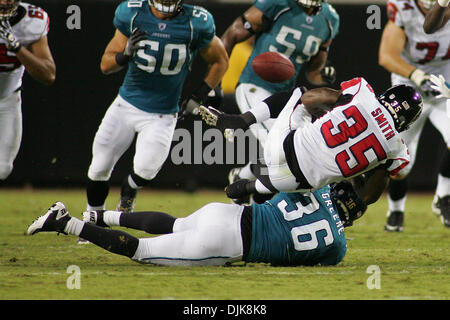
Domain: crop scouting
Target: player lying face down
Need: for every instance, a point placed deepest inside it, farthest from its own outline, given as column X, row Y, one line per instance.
column 290, row 230
column 325, row 136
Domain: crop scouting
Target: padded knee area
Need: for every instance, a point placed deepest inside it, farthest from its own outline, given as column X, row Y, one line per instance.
column 5, row 170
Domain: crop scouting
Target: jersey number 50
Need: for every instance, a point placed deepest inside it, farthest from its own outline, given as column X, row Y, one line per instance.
column 171, row 51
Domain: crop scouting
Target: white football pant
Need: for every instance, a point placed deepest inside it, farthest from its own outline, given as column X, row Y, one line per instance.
column 437, row 113
column 210, row 236
column 10, row 132
column 247, row 97
column 292, row 117
column 117, row 130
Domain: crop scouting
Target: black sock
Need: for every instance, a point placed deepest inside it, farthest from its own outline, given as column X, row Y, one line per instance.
column 397, row 189
column 445, row 165
column 96, row 192
column 128, row 191
column 114, row 241
column 150, row 222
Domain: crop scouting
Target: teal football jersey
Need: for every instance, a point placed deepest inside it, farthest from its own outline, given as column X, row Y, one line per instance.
column 155, row 76
column 297, row 229
column 292, row 33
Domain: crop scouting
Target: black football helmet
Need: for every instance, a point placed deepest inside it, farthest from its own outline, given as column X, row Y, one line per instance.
column 166, row 6
column 404, row 103
column 8, row 8
column 349, row 205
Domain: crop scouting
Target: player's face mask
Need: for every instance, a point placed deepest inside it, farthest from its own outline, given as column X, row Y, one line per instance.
column 166, row 6
column 8, row 8
column 428, row 4
column 316, row 5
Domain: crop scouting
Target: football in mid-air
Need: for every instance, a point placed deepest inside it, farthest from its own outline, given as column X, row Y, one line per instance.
column 273, row 67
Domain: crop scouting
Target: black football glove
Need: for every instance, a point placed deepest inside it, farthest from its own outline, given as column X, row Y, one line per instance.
column 328, row 75
column 215, row 98
column 132, row 46
column 6, row 33
column 199, row 97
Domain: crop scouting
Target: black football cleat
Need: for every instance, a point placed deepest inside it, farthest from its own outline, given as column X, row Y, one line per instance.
column 444, row 204
column 55, row 219
column 394, row 221
column 126, row 204
column 233, row 176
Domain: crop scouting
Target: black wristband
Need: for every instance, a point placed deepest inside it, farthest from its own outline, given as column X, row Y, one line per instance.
column 202, row 91
column 122, row 59
column 249, row 118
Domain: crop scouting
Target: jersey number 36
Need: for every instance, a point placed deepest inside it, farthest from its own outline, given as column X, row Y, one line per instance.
column 301, row 233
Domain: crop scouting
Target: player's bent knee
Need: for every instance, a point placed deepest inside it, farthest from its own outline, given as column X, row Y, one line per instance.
column 5, row 170
column 148, row 173
column 99, row 175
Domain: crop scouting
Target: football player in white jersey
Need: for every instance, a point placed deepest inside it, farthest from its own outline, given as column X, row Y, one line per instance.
column 412, row 56
column 23, row 46
column 354, row 131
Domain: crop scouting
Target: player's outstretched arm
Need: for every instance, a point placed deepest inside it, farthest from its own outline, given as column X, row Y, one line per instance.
column 316, row 72
column 250, row 22
column 437, row 17
column 371, row 185
column 117, row 45
column 216, row 57
column 38, row 61
column 392, row 44
column 120, row 50
column 320, row 100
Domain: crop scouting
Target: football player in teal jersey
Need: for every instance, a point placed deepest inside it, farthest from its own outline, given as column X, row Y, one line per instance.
column 289, row 230
column 157, row 41
column 302, row 30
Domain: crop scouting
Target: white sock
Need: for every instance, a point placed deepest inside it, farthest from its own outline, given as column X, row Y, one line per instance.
column 246, row 173
column 397, row 205
column 443, row 186
column 95, row 208
column 74, row 226
column 261, row 188
column 112, row 218
column 132, row 183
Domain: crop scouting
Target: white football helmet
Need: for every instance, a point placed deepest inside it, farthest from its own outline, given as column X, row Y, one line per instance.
column 166, row 6
column 428, row 4
column 8, row 8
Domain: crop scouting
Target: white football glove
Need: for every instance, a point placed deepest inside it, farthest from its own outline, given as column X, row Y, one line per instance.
column 444, row 3
column 422, row 80
column 6, row 33
column 440, row 85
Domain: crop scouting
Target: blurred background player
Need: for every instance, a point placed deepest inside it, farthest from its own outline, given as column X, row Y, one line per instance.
column 157, row 40
column 23, row 46
column 291, row 229
column 302, row 30
column 412, row 56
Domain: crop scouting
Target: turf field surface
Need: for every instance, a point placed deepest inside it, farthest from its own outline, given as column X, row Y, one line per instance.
column 378, row 265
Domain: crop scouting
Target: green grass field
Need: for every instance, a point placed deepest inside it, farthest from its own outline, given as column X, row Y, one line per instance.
column 414, row 264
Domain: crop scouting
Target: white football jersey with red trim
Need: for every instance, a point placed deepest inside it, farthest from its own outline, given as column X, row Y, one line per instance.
column 429, row 52
column 350, row 139
column 33, row 25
